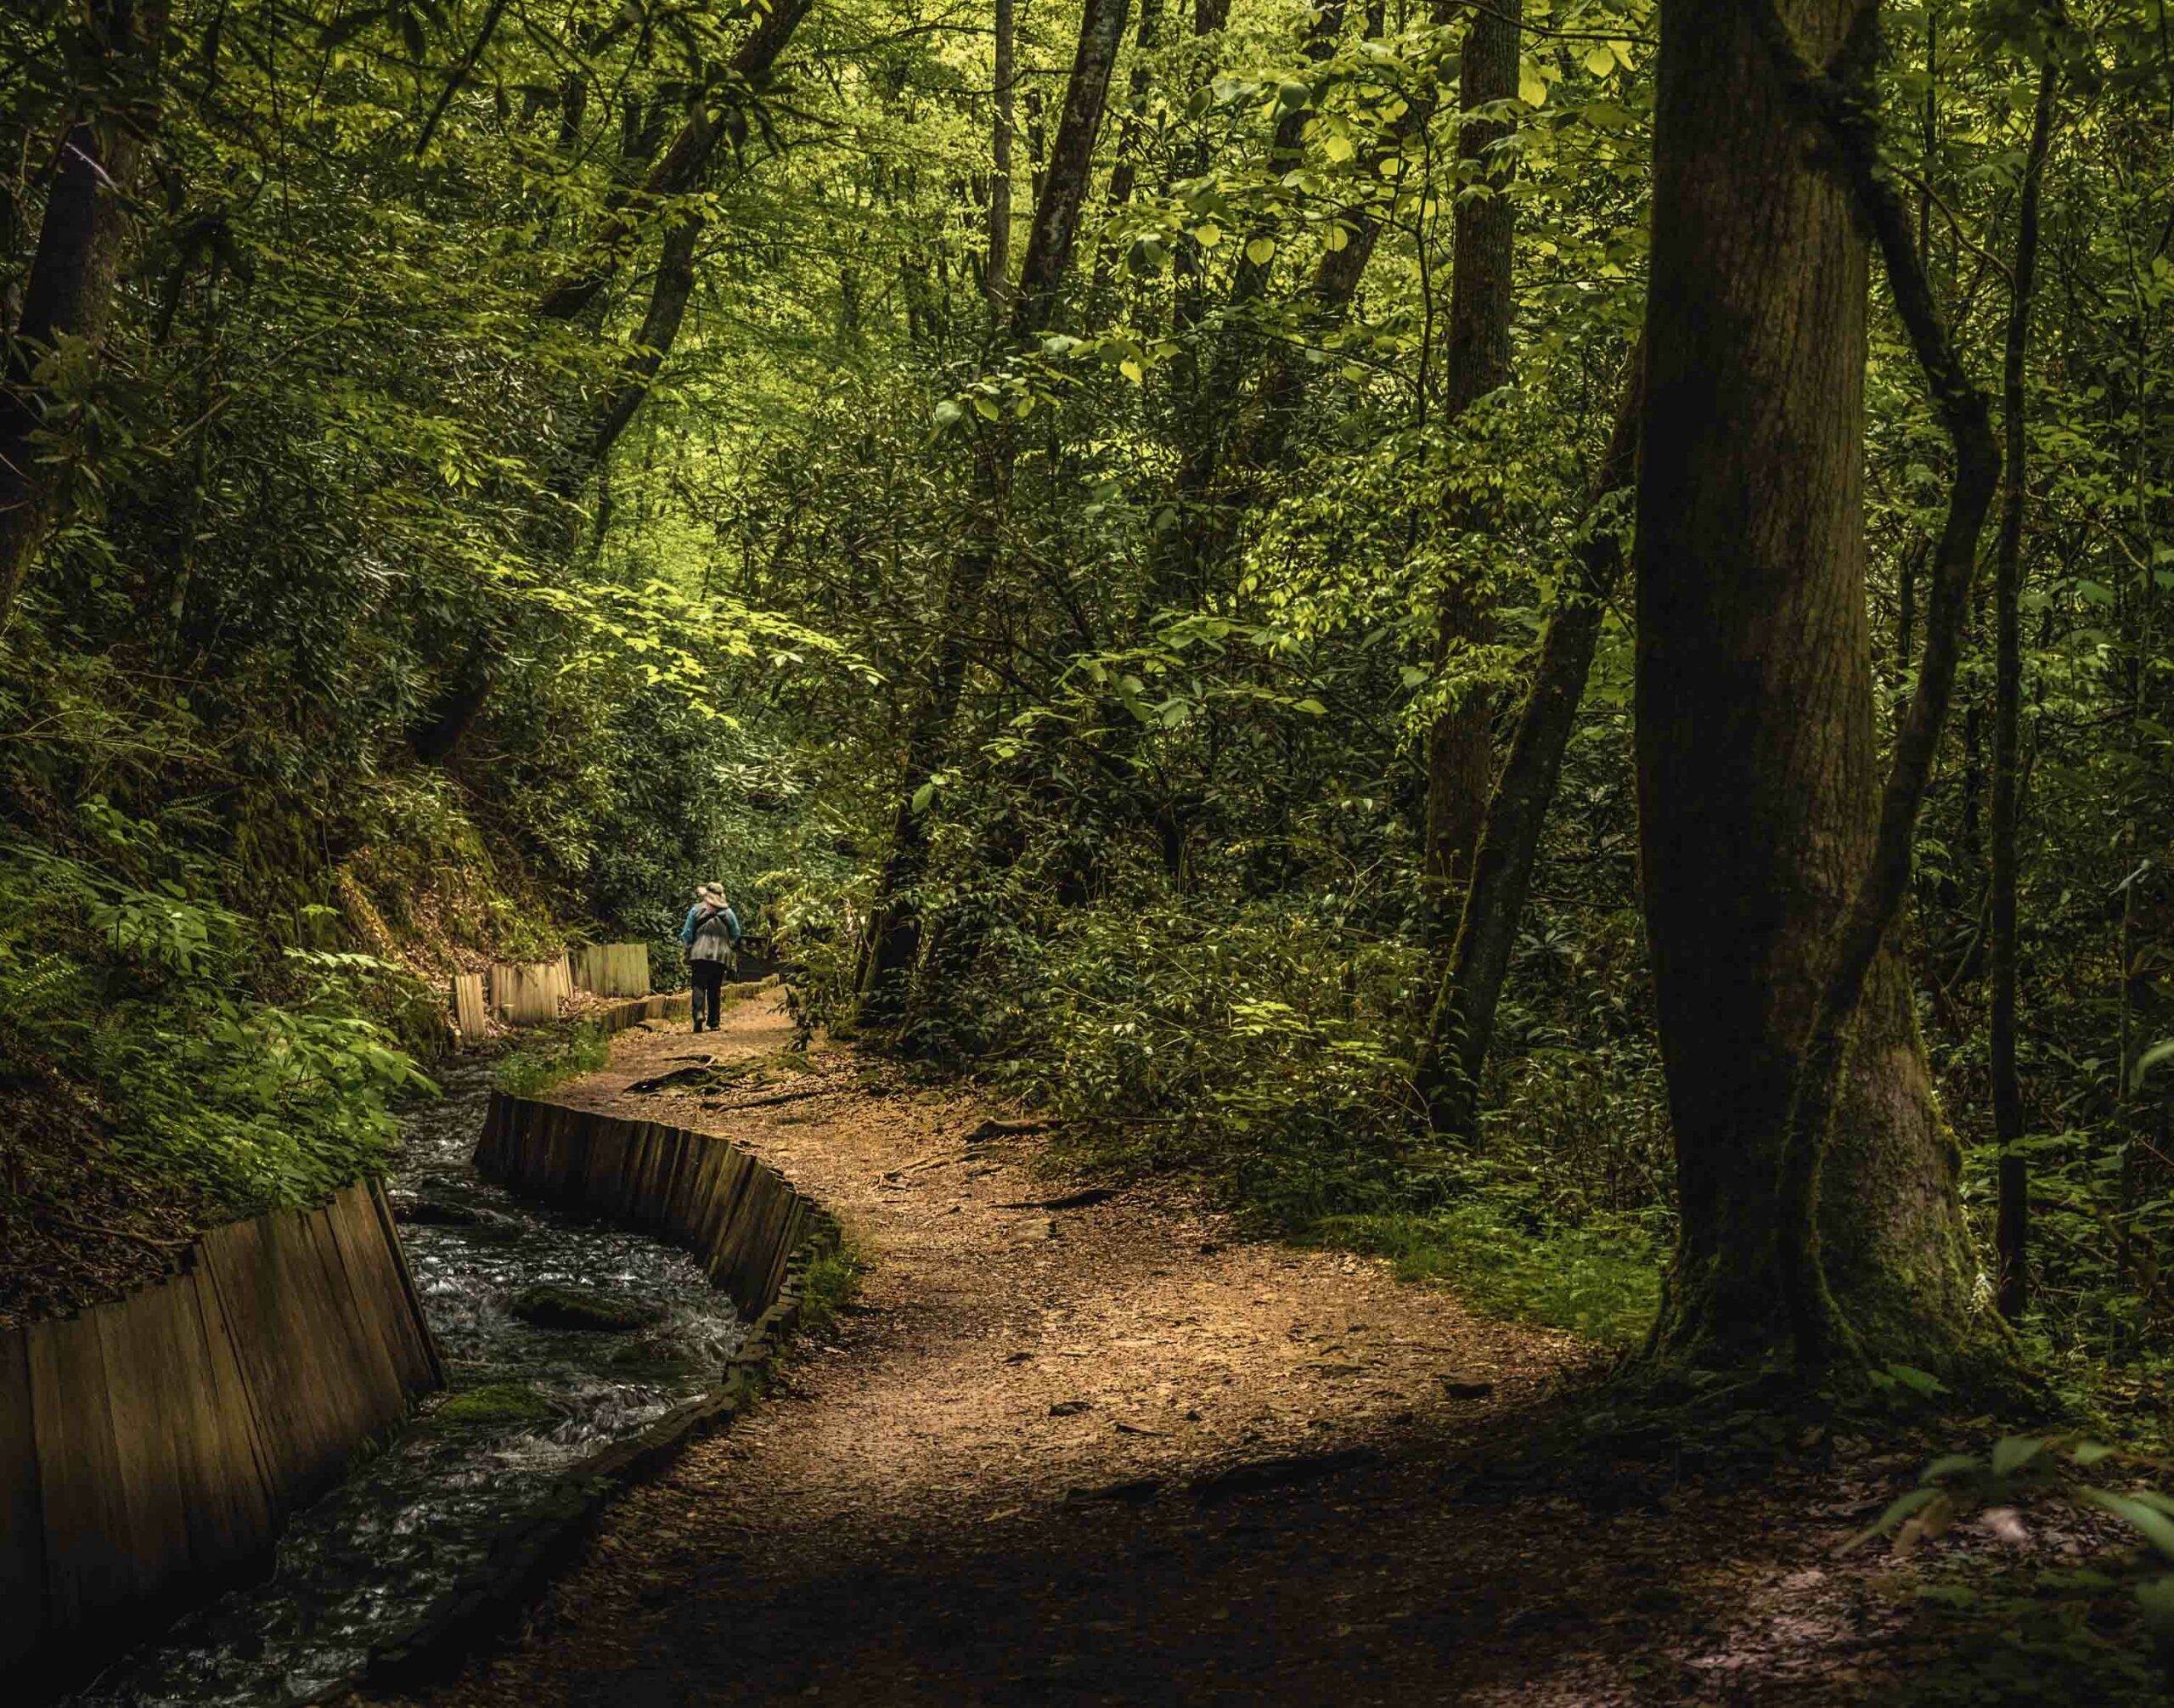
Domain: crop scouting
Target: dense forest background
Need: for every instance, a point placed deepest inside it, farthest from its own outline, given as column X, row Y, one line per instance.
column 1073, row 515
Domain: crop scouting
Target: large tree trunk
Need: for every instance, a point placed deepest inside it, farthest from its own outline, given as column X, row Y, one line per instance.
column 1460, row 756
column 2014, row 1218
column 894, row 931
column 1754, row 737
column 82, row 242
column 1460, row 1030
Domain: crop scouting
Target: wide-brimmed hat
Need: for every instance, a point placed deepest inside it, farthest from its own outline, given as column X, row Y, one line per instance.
column 709, row 892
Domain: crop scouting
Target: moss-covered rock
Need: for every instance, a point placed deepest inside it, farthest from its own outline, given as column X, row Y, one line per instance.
column 573, row 1307
column 496, row 1402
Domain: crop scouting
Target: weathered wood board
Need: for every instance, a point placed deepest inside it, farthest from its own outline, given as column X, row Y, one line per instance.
column 471, row 1014
column 613, row 969
column 150, row 1447
column 740, row 1216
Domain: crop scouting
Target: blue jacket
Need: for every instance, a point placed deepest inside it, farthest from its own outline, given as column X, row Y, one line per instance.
column 698, row 914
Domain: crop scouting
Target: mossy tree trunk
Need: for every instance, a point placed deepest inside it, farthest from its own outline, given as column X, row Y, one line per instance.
column 1755, row 741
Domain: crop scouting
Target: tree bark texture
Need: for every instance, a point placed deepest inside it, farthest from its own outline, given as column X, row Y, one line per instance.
column 2013, row 1222
column 894, row 931
column 1459, row 753
column 82, row 242
column 1124, row 171
column 670, row 292
column 1754, row 736
column 1460, row 1030
column 1072, row 161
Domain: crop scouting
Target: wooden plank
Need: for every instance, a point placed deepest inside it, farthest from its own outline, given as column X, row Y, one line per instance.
column 22, row 1524
column 379, row 1318
column 427, row 1375
column 235, row 1517
column 278, row 1299
column 471, row 1016
column 86, row 1569
column 146, row 1394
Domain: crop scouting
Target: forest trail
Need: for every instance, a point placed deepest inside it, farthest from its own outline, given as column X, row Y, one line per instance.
column 1014, row 1472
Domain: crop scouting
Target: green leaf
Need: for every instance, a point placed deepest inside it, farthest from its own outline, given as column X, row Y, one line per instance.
column 2155, row 1527
column 923, row 795
column 1600, row 62
column 1261, row 251
column 987, row 409
column 1313, row 708
column 1909, row 1505
column 2155, row 1599
column 2011, row 1453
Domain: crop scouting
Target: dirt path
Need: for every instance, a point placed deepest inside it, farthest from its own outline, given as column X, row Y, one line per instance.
column 1028, row 1469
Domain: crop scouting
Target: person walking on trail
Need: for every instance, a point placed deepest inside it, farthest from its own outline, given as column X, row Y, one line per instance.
column 711, row 932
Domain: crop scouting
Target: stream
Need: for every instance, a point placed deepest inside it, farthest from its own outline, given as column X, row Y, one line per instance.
column 372, row 1556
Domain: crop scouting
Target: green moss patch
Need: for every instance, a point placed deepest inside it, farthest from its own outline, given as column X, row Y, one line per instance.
column 496, row 1402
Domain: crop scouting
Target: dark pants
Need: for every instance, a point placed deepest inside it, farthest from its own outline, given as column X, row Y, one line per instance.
column 709, row 987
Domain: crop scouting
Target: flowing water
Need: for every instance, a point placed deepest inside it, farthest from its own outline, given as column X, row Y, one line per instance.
column 375, row 1554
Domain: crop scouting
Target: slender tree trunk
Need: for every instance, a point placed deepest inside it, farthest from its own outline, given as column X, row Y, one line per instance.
column 678, row 170
column 1178, row 576
column 1460, row 1030
column 1124, row 171
column 1755, row 736
column 894, row 933
column 455, row 710
column 2014, row 1213
column 997, row 279
column 1460, row 755
column 82, row 242
column 670, row 292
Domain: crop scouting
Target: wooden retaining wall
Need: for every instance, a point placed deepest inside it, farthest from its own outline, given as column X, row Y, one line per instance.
column 150, row 1449
column 671, row 1005
column 525, row 995
column 613, row 969
column 529, row 994
column 741, row 1217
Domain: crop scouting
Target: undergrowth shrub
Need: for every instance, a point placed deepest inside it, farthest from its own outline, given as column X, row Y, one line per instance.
column 251, row 1071
column 538, row 1064
column 1238, row 1045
